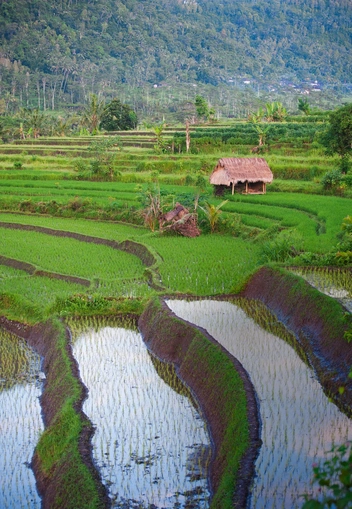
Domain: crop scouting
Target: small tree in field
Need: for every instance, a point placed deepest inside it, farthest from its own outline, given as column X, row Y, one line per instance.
column 337, row 138
column 275, row 112
column 104, row 153
column 202, row 108
column 34, row 121
column 212, row 213
column 303, row 105
column 92, row 114
column 118, row 117
column 161, row 145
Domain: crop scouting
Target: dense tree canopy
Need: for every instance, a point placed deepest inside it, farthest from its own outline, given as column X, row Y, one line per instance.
column 118, row 117
column 338, row 136
column 63, row 51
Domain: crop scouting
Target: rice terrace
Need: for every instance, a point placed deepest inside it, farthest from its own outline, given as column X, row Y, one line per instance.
column 169, row 343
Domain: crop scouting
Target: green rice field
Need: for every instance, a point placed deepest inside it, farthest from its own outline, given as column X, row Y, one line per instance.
column 75, row 240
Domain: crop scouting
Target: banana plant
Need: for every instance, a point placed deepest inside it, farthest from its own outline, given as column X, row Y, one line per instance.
column 212, row 213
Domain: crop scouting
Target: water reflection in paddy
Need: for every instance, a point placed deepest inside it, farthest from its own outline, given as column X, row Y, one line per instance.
column 150, row 444
column 299, row 424
column 20, row 422
column 335, row 283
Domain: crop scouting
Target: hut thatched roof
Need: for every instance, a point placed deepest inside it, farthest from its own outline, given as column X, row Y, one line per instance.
column 235, row 169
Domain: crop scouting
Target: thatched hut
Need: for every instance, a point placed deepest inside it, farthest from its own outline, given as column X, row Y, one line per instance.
column 245, row 175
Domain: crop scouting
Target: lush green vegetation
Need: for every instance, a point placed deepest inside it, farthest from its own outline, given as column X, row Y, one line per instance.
column 297, row 221
column 334, row 479
column 54, row 55
column 58, row 447
column 69, row 256
column 204, row 364
column 63, row 184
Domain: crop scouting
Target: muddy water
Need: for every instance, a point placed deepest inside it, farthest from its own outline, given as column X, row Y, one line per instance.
column 150, row 444
column 20, row 424
column 299, row 424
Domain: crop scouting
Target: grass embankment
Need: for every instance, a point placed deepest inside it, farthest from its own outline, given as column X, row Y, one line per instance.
column 64, row 472
column 113, row 272
column 224, row 392
column 209, row 264
column 316, row 219
column 320, row 323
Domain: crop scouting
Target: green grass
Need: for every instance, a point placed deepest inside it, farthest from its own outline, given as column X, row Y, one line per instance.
column 58, row 446
column 69, row 256
column 105, row 230
column 40, row 291
column 316, row 218
column 205, row 265
column 200, row 361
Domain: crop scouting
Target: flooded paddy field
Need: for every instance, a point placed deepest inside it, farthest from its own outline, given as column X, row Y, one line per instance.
column 335, row 282
column 151, row 445
column 20, row 422
column 299, row 423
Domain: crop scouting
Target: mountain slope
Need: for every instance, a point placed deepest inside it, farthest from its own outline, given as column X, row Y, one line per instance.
column 75, row 43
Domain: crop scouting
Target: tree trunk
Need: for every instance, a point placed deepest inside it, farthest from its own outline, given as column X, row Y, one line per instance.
column 53, row 89
column 38, row 91
column 188, row 137
column 44, row 98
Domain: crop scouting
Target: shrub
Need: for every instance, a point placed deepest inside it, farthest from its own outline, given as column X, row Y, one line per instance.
column 189, row 180
column 77, row 204
column 26, row 205
column 331, row 180
column 335, row 480
column 286, row 245
column 347, row 179
column 201, row 182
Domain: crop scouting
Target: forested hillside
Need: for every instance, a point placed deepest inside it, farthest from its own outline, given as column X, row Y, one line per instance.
column 58, row 53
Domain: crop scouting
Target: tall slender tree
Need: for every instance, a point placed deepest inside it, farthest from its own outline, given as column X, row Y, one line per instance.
column 92, row 113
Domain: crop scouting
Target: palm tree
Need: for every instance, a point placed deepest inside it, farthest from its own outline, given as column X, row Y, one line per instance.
column 275, row 112
column 212, row 213
column 92, row 113
column 33, row 120
column 159, row 132
column 261, row 130
column 303, row 105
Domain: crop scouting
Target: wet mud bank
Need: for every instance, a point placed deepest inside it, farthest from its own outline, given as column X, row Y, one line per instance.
column 318, row 322
column 63, row 465
column 224, row 392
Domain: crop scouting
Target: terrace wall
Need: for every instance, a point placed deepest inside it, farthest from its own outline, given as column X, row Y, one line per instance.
column 72, row 480
column 319, row 323
column 220, row 385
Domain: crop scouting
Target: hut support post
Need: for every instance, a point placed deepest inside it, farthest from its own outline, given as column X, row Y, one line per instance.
column 233, row 187
column 246, row 186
